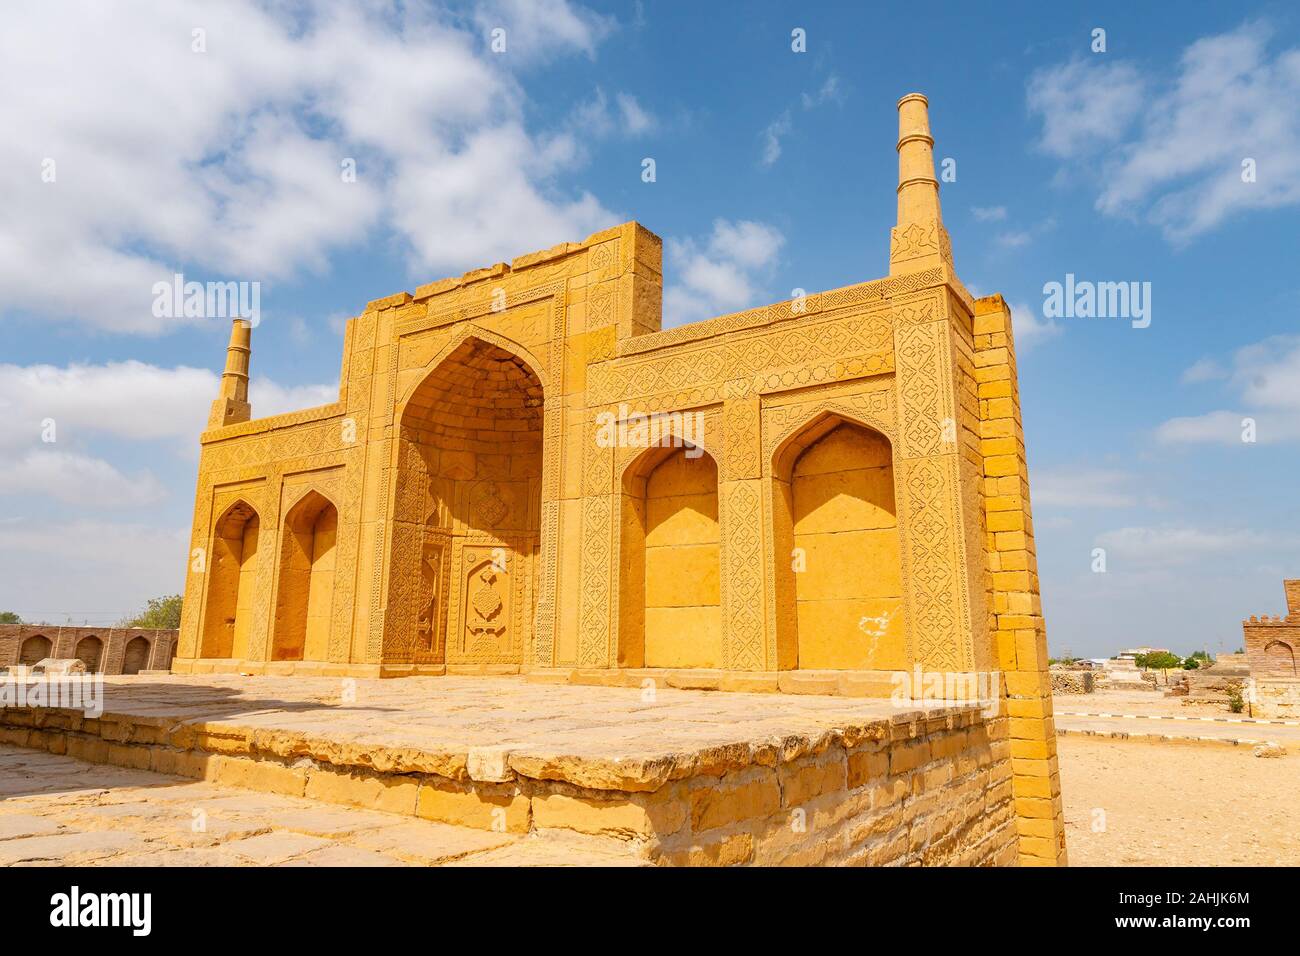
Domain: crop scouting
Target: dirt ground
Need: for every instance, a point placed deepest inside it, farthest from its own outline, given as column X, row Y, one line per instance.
column 1178, row 805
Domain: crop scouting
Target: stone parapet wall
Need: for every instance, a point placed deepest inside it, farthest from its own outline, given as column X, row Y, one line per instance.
column 1072, row 682
column 929, row 787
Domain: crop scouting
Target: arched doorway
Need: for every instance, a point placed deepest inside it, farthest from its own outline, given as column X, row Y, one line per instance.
column 467, row 512
column 669, row 601
column 136, row 657
column 305, row 594
column 837, row 549
column 90, row 651
column 232, row 573
column 34, row 650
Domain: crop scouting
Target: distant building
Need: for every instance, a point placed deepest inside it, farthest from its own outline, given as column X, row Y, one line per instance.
column 1135, row 652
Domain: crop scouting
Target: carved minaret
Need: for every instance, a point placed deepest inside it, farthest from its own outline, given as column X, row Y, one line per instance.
column 919, row 241
column 231, row 406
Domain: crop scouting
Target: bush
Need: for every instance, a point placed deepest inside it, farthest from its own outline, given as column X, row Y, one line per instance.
column 163, row 612
column 9, row 617
column 1236, row 703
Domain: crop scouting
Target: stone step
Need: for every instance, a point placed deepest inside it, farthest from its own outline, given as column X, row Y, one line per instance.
column 60, row 810
column 677, row 777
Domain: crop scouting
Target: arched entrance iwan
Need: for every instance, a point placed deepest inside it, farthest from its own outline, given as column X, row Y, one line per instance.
column 467, row 512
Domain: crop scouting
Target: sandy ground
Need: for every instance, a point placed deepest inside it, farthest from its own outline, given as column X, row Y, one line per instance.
column 1178, row 805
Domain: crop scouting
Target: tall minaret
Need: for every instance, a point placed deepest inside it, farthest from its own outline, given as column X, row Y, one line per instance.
column 919, row 241
column 231, row 406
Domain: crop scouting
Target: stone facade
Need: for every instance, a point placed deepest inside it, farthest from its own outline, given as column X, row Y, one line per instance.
column 525, row 473
column 104, row 650
column 1272, row 644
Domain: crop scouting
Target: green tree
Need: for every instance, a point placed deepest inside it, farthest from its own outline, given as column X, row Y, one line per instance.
column 10, row 617
column 1158, row 661
column 162, row 612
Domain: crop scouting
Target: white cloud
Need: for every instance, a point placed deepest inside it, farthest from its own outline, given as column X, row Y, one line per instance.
column 1218, row 428
column 636, row 120
column 1085, row 104
column 127, row 400
column 98, row 569
column 540, row 30
column 1086, row 488
column 719, row 274
column 1165, row 546
column 1265, row 377
column 228, row 161
column 783, row 125
column 1203, row 370
column 829, row 92
column 598, row 118
column 1181, row 167
column 74, row 478
column 772, row 136
column 989, row 213
column 270, row 398
column 1031, row 328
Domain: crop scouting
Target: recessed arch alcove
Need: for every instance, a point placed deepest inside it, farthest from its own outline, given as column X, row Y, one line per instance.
column 669, row 577
column 305, row 590
column 232, row 574
column 90, row 651
column 135, row 656
column 34, row 650
column 1281, row 656
column 837, row 556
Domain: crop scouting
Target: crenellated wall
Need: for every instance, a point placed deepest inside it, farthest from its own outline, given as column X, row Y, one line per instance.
column 1273, row 651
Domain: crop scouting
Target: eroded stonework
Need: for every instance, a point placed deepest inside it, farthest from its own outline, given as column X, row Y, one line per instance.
column 825, row 490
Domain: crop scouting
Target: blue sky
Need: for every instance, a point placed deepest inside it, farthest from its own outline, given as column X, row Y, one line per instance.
column 775, row 170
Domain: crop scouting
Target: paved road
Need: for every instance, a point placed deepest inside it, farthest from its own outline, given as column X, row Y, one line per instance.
column 1150, row 725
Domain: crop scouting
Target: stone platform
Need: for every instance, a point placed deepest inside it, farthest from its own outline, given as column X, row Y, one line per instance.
column 679, row 776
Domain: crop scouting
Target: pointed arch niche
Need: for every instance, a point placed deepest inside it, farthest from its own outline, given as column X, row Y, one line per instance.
column 838, row 565
column 305, row 591
column 669, row 598
column 232, row 572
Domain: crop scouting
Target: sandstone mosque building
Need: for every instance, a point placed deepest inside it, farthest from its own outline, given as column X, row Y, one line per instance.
column 812, row 496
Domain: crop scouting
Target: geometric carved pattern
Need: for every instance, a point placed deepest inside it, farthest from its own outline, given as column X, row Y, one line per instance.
column 933, row 565
column 812, row 347
column 920, row 387
column 743, row 644
column 931, row 514
column 741, row 440
column 593, row 627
